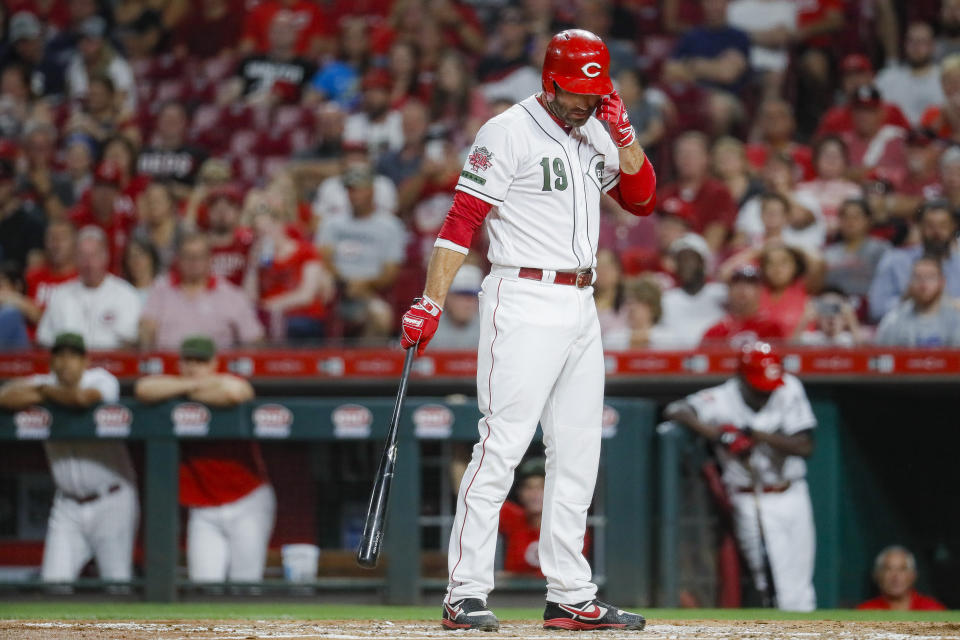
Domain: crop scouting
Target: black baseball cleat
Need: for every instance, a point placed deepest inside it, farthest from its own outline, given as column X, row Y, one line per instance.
column 469, row 613
column 589, row 615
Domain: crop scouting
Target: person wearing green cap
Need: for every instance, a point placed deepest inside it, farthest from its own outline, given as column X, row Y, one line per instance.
column 223, row 483
column 95, row 509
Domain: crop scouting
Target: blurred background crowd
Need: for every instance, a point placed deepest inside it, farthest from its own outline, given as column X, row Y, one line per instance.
column 277, row 170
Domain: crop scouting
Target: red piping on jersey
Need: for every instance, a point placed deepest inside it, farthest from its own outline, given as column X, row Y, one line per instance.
column 465, row 216
column 483, row 446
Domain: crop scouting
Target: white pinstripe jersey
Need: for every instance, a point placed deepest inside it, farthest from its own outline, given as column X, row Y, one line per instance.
column 544, row 185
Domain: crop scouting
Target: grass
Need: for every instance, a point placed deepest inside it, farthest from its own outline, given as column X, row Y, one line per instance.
column 66, row 610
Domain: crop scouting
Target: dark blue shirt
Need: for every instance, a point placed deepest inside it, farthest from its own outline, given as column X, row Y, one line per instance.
column 705, row 42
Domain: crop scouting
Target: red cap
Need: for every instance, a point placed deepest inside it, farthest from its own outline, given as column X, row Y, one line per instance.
column 761, row 367
column 108, row 173
column 856, row 63
column 867, row 96
column 578, row 62
column 376, row 79
column 679, row 208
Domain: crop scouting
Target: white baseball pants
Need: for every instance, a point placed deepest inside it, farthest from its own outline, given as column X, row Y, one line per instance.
column 229, row 542
column 791, row 543
column 539, row 360
column 103, row 529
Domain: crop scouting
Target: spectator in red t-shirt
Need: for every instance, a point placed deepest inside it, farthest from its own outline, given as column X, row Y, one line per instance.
column 59, row 266
column 784, row 296
column 229, row 241
column 713, row 208
column 873, row 145
column 776, row 127
column 101, row 209
column 895, row 572
column 857, row 72
column 223, row 484
column 944, row 120
column 744, row 323
column 286, row 275
column 313, row 28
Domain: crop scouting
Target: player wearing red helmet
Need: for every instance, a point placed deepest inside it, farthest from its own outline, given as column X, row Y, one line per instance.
column 761, row 424
column 539, row 169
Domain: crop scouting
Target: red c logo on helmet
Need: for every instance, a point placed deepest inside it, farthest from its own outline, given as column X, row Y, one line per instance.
column 577, row 61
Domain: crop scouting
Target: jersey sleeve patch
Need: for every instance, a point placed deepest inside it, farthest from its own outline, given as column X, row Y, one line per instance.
column 490, row 167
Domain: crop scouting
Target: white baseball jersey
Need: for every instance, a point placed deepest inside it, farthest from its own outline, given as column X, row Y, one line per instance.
column 86, row 468
column 788, row 411
column 106, row 316
column 544, row 185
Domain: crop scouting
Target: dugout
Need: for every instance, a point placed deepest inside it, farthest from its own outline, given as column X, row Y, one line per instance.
column 882, row 471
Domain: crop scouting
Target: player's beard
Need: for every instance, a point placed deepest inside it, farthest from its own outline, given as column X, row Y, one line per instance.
column 569, row 117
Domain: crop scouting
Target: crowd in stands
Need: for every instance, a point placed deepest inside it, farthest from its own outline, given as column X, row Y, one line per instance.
column 277, row 170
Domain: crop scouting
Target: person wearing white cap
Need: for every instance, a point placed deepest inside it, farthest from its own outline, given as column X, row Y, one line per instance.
column 694, row 305
column 459, row 326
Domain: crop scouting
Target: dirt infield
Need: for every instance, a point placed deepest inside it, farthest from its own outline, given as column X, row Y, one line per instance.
column 363, row 630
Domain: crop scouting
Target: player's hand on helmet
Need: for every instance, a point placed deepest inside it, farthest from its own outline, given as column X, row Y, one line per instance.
column 735, row 440
column 614, row 113
column 419, row 324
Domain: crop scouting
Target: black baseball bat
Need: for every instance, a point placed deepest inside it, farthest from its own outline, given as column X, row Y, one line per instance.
column 770, row 593
column 371, row 542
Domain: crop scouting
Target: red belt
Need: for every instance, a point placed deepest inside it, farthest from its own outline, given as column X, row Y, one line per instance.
column 774, row 488
column 85, row 499
column 579, row 279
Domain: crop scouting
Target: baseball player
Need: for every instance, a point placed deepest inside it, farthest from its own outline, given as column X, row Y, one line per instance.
column 95, row 509
column 762, row 425
column 223, row 483
column 535, row 174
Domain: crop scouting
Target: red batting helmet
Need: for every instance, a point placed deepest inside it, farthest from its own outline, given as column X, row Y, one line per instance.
column 761, row 367
column 578, row 62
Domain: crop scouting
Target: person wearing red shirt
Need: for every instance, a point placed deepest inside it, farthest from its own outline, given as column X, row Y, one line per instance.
column 777, row 126
column 104, row 209
column 895, row 572
column 857, row 72
column 223, row 484
column 59, row 266
column 744, row 323
column 712, row 205
column 314, row 30
column 229, row 241
column 286, row 274
column 873, row 145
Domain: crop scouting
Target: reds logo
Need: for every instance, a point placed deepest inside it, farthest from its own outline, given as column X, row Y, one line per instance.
column 190, row 419
column 591, row 65
column 481, row 159
column 272, row 421
column 351, row 421
column 113, row 421
column 433, row 421
column 33, row 423
column 609, row 421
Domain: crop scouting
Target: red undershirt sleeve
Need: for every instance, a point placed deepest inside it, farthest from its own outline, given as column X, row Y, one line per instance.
column 464, row 218
column 637, row 192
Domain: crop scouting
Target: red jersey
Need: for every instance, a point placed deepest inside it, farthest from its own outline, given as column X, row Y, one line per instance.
column 230, row 261
column 41, row 281
column 801, row 154
column 739, row 331
column 711, row 203
column 813, row 11
column 839, row 119
column 216, row 473
column 309, row 18
column 521, row 541
column 283, row 275
column 918, row 602
column 118, row 230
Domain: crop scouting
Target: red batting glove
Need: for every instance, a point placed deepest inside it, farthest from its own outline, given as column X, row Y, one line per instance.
column 735, row 440
column 612, row 111
column 419, row 324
